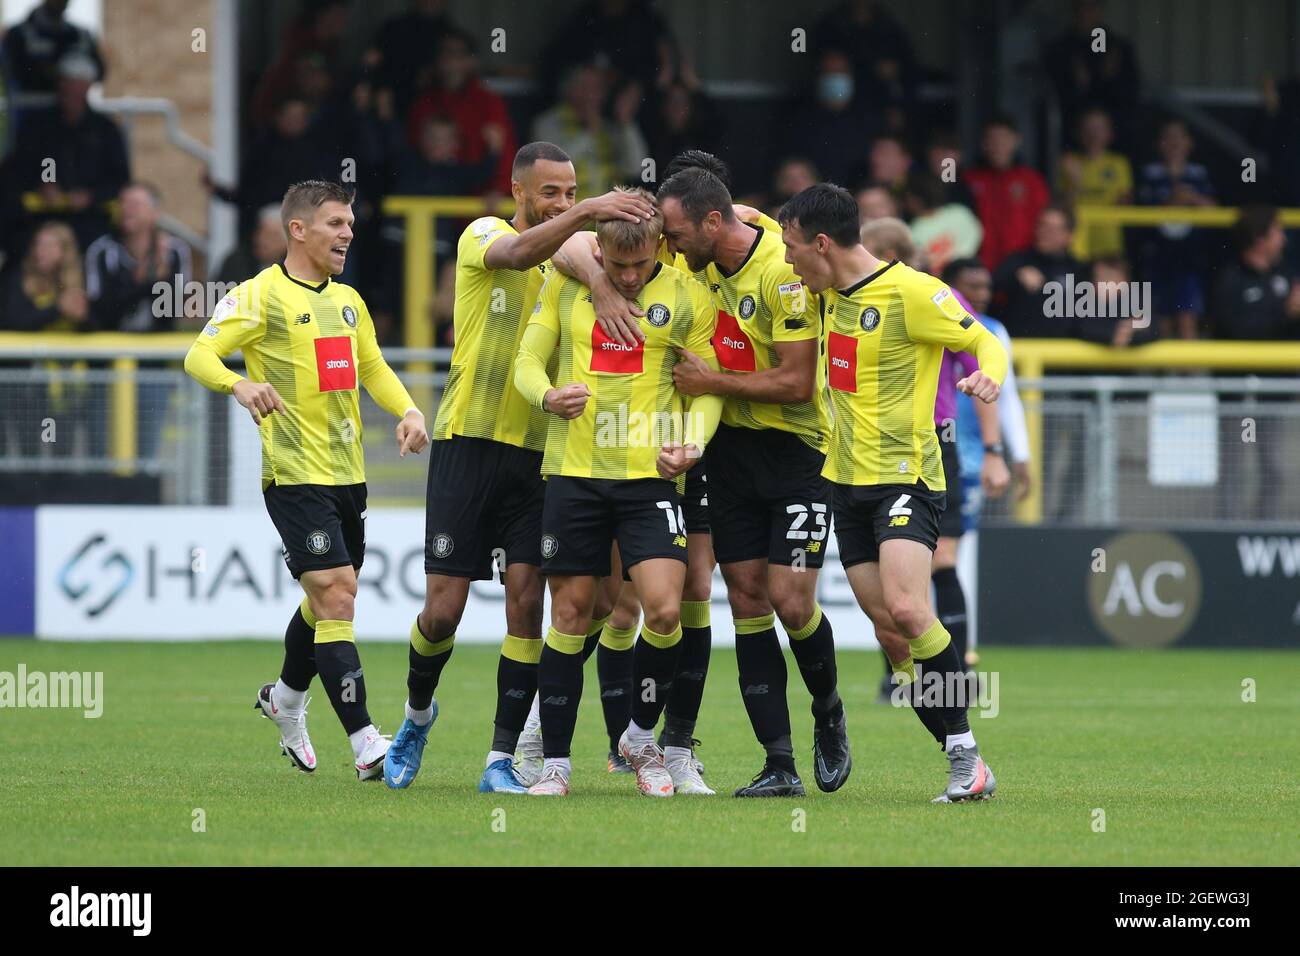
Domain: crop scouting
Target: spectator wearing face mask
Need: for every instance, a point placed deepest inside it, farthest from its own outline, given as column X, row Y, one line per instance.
column 831, row 125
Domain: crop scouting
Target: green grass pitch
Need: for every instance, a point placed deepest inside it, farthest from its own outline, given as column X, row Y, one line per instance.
column 1185, row 771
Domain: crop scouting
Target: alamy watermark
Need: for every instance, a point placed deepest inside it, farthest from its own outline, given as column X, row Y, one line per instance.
column 80, row 690
column 973, row 690
column 1098, row 300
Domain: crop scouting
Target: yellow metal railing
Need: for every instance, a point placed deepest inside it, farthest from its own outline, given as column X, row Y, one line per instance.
column 1034, row 357
column 1216, row 217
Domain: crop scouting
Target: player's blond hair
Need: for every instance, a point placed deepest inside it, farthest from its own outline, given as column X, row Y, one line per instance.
column 888, row 239
column 625, row 236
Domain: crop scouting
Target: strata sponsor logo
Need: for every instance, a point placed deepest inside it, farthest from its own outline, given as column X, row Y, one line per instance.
column 75, row 909
column 972, row 690
column 1098, row 300
column 74, row 690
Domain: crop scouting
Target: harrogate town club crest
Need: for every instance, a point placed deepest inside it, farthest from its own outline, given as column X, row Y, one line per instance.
column 443, row 545
column 318, row 542
column 350, row 316
column 549, row 545
column 746, row 309
column 658, row 315
column 869, row 319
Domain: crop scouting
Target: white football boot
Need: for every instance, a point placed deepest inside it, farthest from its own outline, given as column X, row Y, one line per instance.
column 370, row 762
column 294, row 742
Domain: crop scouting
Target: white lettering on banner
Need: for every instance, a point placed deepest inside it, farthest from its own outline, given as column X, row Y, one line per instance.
column 1139, row 597
column 125, row 572
column 1258, row 556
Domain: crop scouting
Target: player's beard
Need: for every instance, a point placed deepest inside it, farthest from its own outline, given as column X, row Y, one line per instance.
column 535, row 214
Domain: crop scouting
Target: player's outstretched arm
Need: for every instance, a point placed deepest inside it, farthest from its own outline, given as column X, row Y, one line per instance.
column 534, row 246
column 617, row 315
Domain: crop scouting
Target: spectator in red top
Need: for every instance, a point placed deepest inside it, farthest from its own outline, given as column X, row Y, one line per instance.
column 319, row 30
column 461, row 96
column 1008, row 196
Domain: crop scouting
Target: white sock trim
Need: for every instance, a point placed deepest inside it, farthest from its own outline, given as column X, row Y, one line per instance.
column 561, row 762
column 966, row 740
column 358, row 739
column 421, row 718
column 495, row 755
column 286, row 698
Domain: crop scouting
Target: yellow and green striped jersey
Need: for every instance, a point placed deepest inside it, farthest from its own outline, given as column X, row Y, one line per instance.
column 634, row 407
column 761, row 304
column 492, row 308
column 313, row 343
column 883, row 344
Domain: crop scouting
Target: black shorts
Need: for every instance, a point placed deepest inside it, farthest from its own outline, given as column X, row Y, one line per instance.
column 866, row 515
column 584, row 516
column 321, row 526
column 950, row 519
column 767, row 497
column 695, row 500
column 484, row 498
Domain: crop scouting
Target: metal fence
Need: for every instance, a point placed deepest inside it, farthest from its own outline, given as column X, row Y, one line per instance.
column 1114, row 450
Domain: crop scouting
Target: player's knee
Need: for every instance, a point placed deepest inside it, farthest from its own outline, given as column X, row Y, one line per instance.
column 748, row 599
column 699, row 585
column 524, row 614
column 663, row 617
column 794, row 608
column 911, row 614
column 336, row 603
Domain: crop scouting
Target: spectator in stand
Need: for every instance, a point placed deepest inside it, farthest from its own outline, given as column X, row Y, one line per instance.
column 121, row 269
column 876, row 202
column 287, row 153
column 605, row 152
column 890, row 163
column 1278, row 129
column 35, row 47
column 1173, row 255
column 45, row 293
column 458, row 93
column 318, row 30
column 687, row 119
column 1008, row 196
column 793, row 176
column 265, row 247
column 889, row 240
column 942, row 231
column 1092, row 65
column 72, row 161
column 1096, row 176
column 943, row 157
column 401, row 54
column 1018, row 283
column 832, row 125
column 1255, row 300
column 1110, row 277
column 884, row 62
column 628, row 39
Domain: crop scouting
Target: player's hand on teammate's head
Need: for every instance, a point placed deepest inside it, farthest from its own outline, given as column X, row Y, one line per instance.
column 616, row 314
column 978, row 385
column 260, row 398
column 412, row 436
column 673, row 460
column 568, row 401
column 690, row 375
column 619, row 205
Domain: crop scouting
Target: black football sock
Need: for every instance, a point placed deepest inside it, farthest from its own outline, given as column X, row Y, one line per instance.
column 614, row 670
column 762, row 687
column 426, row 659
column 688, row 684
column 931, row 719
column 559, row 686
column 814, row 651
column 654, row 662
column 950, row 606
column 339, row 665
column 516, row 688
column 299, row 665
column 939, row 671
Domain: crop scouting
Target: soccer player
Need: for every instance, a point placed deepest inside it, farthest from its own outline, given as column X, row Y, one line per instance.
column 485, row 486
column 885, row 327
column 307, row 340
column 621, row 434
column 577, row 258
column 768, row 502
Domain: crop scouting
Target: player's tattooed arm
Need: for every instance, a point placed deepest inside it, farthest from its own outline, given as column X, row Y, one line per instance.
column 535, row 245
column 579, row 258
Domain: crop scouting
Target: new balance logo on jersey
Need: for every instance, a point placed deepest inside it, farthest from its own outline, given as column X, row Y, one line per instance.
column 753, row 689
column 303, row 319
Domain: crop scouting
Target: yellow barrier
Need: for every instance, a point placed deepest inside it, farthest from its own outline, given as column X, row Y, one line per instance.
column 1034, row 357
column 1217, row 217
